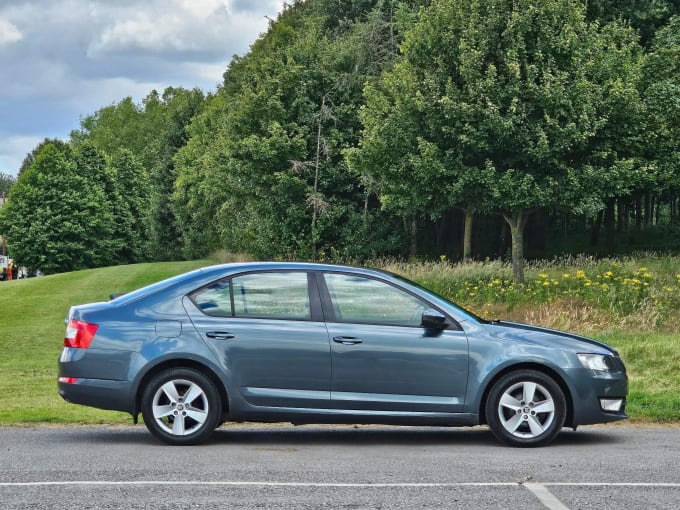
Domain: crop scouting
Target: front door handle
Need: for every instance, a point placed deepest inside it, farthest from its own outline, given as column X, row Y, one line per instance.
column 347, row 340
column 220, row 335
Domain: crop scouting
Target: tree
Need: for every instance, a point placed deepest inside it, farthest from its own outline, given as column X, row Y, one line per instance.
column 130, row 203
column 661, row 90
column 6, row 183
column 263, row 170
column 496, row 106
column 30, row 157
column 176, row 107
column 56, row 220
column 151, row 132
column 123, row 125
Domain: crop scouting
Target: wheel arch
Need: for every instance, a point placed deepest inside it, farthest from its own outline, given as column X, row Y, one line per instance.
column 553, row 374
column 181, row 363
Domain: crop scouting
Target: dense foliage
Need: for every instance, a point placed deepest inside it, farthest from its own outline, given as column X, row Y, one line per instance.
column 356, row 129
column 54, row 231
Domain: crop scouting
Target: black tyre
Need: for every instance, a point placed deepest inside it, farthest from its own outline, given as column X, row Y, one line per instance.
column 526, row 408
column 181, row 406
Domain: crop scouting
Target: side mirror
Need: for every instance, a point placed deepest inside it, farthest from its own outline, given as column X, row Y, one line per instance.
column 433, row 319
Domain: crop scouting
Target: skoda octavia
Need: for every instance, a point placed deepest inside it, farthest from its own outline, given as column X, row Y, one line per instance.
column 310, row 343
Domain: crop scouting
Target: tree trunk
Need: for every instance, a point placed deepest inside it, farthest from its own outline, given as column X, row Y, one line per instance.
column 366, row 197
column 414, row 237
column 656, row 201
column 609, row 224
column 649, row 207
column 517, row 222
column 638, row 211
column 621, row 216
column 317, row 162
column 467, row 236
column 441, row 230
column 595, row 230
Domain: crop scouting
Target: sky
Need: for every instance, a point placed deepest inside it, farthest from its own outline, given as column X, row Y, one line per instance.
column 61, row 60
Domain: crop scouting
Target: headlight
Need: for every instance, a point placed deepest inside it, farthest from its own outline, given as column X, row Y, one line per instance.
column 599, row 362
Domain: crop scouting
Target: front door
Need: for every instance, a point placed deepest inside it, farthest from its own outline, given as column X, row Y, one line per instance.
column 382, row 358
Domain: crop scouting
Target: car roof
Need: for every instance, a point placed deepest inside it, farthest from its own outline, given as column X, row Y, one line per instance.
column 204, row 275
column 300, row 266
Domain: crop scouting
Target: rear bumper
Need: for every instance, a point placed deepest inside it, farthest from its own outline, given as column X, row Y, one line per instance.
column 99, row 393
column 96, row 378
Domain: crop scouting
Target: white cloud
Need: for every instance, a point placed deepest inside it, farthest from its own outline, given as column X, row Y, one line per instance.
column 13, row 150
column 207, row 72
column 198, row 27
column 103, row 92
column 8, row 33
column 64, row 59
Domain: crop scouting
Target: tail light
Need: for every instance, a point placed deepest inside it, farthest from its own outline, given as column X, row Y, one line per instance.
column 79, row 334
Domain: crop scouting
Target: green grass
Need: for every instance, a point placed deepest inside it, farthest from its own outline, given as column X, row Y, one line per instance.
column 653, row 363
column 639, row 294
column 32, row 327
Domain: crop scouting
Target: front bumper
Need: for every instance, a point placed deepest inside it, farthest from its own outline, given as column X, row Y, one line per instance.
column 592, row 393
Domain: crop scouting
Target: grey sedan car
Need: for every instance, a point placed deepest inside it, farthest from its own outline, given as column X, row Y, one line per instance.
column 311, row 343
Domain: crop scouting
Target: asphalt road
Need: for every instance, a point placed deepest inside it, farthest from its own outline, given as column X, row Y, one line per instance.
column 282, row 466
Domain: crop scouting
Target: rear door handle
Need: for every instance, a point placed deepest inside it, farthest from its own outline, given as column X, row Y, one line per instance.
column 347, row 340
column 220, row 335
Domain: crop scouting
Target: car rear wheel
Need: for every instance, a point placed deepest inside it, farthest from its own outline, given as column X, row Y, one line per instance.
column 526, row 408
column 181, row 406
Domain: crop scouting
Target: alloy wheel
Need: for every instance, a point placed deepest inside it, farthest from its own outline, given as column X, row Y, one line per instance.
column 526, row 409
column 180, row 407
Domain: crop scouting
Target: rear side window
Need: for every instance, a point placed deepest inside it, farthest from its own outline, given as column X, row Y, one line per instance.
column 215, row 300
column 276, row 295
column 272, row 296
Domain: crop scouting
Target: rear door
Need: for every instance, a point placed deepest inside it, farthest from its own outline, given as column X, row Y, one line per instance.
column 267, row 332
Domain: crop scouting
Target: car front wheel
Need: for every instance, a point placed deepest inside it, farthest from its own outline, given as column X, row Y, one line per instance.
column 181, row 406
column 526, row 408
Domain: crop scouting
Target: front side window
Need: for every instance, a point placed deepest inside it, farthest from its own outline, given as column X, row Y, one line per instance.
column 272, row 296
column 356, row 299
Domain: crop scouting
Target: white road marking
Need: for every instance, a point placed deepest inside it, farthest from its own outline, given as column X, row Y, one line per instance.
column 260, row 484
column 545, row 496
column 333, row 484
column 612, row 484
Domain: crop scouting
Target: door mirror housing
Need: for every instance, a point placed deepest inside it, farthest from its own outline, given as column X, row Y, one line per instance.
column 434, row 319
